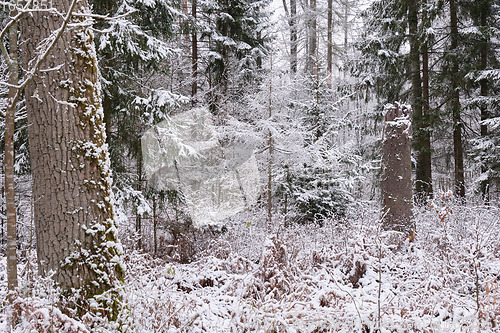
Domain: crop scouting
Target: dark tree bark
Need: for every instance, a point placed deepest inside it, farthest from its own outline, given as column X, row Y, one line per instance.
column 293, row 36
column 73, row 206
column 397, row 200
column 484, row 91
column 426, row 151
column 455, row 105
column 194, row 53
column 421, row 143
column 10, row 195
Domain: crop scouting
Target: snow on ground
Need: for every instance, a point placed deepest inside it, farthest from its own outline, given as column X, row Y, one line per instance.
column 346, row 276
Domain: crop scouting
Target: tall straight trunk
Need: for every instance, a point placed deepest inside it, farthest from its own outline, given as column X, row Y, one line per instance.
column 155, row 224
column 293, row 36
column 311, row 38
column 329, row 52
column 484, row 90
column 455, row 105
column 194, row 53
column 416, row 88
column 10, row 195
column 313, row 45
column 425, row 157
column 270, row 161
column 72, row 197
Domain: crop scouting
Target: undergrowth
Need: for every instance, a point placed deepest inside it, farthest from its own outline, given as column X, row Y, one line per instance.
column 347, row 276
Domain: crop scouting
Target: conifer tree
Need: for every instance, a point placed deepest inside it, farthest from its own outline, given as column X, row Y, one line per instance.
column 483, row 80
column 234, row 31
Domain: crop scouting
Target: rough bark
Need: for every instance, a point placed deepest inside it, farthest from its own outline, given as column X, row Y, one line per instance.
column 455, row 105
column 73, row 205
column 396, row 183
column 10, row 196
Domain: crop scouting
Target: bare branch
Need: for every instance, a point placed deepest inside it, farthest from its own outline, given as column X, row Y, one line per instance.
column 44, row 55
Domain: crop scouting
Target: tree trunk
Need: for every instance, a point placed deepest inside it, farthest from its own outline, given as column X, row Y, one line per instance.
column 346, row 25
column 483, row 64
column 455, row 105
column 293, row 36
column 396, row 173
column 311, row 67
column 138, row 216
column 424, row 179
column 329, row 55
column 270, row 162
column 313, row 45
column 194, row 54
column 155, row 223
column 10, row 195
column 422, row 183
column 73, row 201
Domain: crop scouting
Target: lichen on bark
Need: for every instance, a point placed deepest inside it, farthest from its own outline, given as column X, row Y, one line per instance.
column 73, row 211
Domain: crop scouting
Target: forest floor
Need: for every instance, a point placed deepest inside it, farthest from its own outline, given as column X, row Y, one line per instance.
column 346, row 276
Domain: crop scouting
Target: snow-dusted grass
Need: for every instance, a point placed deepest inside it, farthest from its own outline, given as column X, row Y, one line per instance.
column 347, row 276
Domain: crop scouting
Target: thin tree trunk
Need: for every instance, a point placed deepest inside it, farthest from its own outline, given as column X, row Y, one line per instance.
column 73, row 207
column 424, row 179
column 138, row 217
column 313, row 61
column 10, row 195
column 270, row 162
column 293, row 36
column 329, row 52
column 155, row 223
column 484, row 90
column 194, row 54
column 346, row 25
column 455, row 105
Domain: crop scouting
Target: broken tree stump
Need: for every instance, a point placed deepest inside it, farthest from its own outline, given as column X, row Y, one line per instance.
column 397, row 201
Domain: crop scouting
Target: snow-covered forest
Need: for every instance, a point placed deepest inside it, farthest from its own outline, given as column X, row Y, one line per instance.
column 250, row 166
